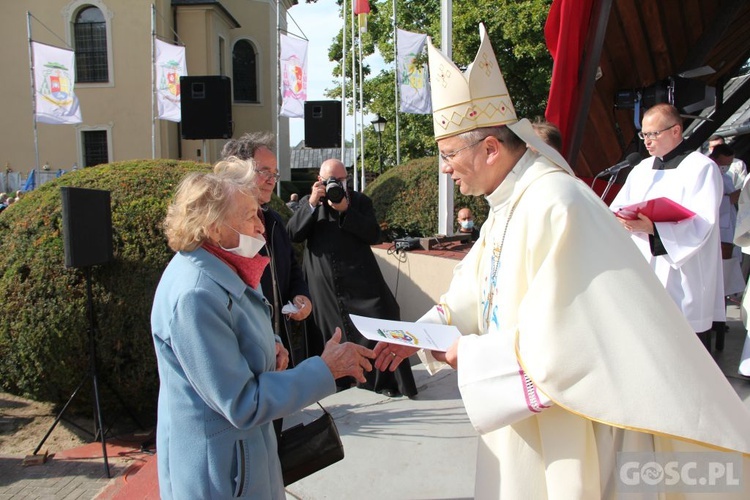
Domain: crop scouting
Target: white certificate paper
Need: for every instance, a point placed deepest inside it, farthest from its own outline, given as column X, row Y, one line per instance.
column 428, row 336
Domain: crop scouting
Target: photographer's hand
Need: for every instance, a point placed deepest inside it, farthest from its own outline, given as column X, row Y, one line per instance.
column 318, row 192
column 341, row 206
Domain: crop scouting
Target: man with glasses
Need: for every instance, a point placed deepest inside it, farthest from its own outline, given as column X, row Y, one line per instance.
column 282, row 280
column 572, row 352
column 685, row 256
column 342, row 272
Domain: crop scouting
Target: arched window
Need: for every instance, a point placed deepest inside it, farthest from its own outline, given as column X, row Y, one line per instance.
column 244, row 72
column 90, row 38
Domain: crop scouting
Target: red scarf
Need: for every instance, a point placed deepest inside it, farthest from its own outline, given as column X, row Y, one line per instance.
column 249, row 269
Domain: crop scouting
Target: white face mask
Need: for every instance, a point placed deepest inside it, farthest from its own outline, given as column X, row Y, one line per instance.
column 249, row 246
column 467, row 224
column 724, row 168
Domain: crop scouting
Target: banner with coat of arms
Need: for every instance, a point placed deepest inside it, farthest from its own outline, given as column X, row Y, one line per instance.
column 54, row 78
column 169, row 66
column 293, row 76
column 415, row 94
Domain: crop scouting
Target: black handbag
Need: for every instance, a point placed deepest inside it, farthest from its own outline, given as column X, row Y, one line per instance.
column 307, row 448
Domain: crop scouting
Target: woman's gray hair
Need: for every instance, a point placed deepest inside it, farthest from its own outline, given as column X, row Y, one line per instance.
column 242, row 171
column 201, row 202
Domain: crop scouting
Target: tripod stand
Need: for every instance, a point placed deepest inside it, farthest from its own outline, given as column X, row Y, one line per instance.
column 92, row 374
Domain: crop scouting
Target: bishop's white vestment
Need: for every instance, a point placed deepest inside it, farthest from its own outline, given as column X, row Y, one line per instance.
column 691, row 270
column 572, row 351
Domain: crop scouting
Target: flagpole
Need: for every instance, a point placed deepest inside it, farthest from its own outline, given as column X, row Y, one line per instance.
column 354, row 100
column 278, row 94
column 33, row 92
column 445, row 183
column 395, row 72
column 343, row 85
column 361, row 112
column 153, row 82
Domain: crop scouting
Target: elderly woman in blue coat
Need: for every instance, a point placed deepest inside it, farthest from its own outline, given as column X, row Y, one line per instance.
column 222, row 370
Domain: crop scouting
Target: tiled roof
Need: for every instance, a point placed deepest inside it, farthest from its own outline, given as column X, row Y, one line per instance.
column 302, row 157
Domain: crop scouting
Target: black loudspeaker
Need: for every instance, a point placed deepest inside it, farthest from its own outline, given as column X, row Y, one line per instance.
column 87, row 226
column 206, row 106
column 323, row 124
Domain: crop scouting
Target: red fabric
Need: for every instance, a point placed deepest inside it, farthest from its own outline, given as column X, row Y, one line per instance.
column 565, row 32
column 361, row 7
column 249, row 269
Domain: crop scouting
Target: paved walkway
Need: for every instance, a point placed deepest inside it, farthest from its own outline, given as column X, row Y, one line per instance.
column 395, row 448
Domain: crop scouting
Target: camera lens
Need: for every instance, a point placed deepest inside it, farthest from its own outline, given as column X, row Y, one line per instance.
column 334, row 190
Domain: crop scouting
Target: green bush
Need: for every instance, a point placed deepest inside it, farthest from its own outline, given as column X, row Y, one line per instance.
column 43, row 317
column 406, row 200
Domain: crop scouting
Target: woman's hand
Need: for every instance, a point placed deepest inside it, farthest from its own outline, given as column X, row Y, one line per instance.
column 305, row 308
column 282, row 357
column 347, row 359
column 389, row 356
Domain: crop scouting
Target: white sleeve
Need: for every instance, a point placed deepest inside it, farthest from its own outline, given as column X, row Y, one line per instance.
column 458, row 306
column 703, row 192
column 742, row 229
column 495, row 390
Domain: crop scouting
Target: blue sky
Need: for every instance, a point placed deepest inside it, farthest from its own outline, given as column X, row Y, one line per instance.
column 319, row 23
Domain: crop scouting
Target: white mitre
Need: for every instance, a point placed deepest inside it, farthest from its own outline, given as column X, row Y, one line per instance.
column 477, row 98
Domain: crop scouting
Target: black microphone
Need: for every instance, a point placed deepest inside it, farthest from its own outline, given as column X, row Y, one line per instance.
column 631, row 160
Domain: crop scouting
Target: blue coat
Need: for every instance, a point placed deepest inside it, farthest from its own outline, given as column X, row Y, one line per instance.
column 219, row 392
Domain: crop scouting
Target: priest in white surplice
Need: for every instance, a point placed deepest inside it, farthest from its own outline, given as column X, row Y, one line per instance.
column 686, row 256
column 742, row 239
column 572, row 351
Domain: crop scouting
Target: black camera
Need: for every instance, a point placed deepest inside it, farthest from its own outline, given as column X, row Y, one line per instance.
column 334, row 190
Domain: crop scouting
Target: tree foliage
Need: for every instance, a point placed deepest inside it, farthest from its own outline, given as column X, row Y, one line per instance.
column 516, row 29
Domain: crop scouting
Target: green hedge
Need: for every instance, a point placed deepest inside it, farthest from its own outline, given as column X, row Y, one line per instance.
column 406, row 200
column 43, row 322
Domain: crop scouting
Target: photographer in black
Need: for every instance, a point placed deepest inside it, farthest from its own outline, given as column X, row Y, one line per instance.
column 338, row 227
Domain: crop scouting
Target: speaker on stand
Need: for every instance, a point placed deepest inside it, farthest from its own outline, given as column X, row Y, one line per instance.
column 323, row 124
column 206, row 107
column 87, row 238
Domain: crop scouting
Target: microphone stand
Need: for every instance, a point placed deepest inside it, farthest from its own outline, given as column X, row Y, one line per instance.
column 611, row 181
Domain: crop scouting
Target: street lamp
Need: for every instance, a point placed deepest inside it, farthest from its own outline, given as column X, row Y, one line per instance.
column 379, row 125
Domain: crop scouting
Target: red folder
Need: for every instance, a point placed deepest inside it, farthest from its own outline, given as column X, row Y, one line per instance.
column 658, row 210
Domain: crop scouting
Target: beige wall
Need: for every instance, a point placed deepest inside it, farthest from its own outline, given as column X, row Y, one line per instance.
column 259, row 28
column 123, row 106
column 423, row 279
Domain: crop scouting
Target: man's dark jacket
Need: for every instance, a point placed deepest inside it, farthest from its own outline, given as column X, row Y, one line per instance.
column 289, row 277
